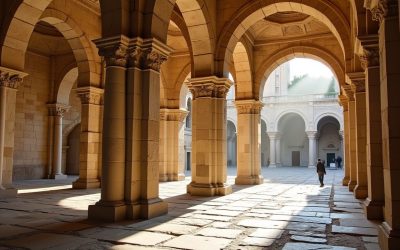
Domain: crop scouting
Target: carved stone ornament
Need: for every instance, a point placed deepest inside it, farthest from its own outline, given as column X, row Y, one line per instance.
column 90, row 98
column 384, row 9
column 208, row 90
column 57, row 109
column 173, row 115
column 8, row 80
column 348, row 92
column 147, row 53
column 248, row 107
column 344, row 102
column 370, row 58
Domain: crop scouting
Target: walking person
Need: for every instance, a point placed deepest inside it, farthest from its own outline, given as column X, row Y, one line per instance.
column 321, row 172
column 339, row 162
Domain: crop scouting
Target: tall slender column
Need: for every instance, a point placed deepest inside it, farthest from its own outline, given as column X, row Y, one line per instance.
column 373, row 205
column 90, row 138
column 143, row 128
column 57, row 111
column 272, row 136
column 352, row 137
column 111, row 206
column 312, row 148
column 387, row 13
column 248, row 142
column 10, row 80
column 358, row 86
column 278, row 149
column 171, row 125
column 209, row 136
column 346, row 150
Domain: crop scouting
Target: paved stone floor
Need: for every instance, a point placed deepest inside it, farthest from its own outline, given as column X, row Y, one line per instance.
column 288, row 211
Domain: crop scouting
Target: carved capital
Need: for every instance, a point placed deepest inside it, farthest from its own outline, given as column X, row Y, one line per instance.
column 209, row 87
column 57, row 109
column 173, row 114
column 114, row 50
column 384, row 9
column 274, row 135
column 312, row 135
column 370, row 51
column 357, row 81
column 344, row 102
column 348, row 92
column 147, row 53
column 10, row 78
column 248, row 106
column 90, row 95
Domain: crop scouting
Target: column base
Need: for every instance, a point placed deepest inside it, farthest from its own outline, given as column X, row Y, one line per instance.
column 147, row 209
column 59, row 177
column 249, row 180
column 272, row 166
column 345, row 181
column 197, row 189
column 86, row 183
column 112, row 212
column 373, row 209
column 388, row 238
column 352, row 185
column 8, row 192
column 360, row 192
column 171, row 177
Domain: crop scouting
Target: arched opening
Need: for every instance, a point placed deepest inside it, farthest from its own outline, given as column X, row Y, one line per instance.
column 330, row 141
column 231, row 147
column 291, row 143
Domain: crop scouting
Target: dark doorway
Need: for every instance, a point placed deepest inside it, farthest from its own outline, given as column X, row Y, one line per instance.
column 295, row 158
column 188, row 161
column 330, row 158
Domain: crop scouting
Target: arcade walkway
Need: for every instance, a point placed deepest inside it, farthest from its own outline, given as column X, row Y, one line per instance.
column 288, row 211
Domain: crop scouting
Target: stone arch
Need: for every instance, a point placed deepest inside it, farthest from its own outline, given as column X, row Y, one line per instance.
column 243, row 76
column 304, row 51
column 324, row 11
column 199, row 25
column 232, row 122
column 65, row 86
column 330, row 114
column 21, row 28
column 294, row 112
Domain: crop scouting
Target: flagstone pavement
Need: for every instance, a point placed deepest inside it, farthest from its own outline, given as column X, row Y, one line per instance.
column 289, row 211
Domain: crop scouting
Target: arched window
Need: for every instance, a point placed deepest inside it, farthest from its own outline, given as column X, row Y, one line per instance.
column 189, row 116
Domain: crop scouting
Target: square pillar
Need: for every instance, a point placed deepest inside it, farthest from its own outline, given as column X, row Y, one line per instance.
column 90, row 138
column 249, row 142
column 10, row 80
column 171, row 146
column 374, row 203
column 209, row 136
column 352, row 137
column 358, row 86
column 344, row 103
column 272, row 146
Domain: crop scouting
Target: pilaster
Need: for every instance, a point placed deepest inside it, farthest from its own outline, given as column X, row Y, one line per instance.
column 312, row 148
column 345, row 104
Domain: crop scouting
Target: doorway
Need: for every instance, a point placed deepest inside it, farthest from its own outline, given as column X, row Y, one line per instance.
column 330, row 158
column 295, row 158
column 188, row 161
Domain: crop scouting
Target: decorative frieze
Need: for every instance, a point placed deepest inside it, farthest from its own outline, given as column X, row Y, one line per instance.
column 248, row 106
column 209, row 87
column 90, row 95
column 173, row 114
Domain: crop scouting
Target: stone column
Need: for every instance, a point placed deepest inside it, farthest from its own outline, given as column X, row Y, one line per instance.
column 10, row 80
column 111, row 206
column 209, row 136
column 272, row 136
column 278, row 149
column 57, row 111
column 143, row 128
column 312, row 148
column 248, row 142
column 346, row 150
column 171, row 125
column 387, row 13
column 373, row 205
column 90, row 137
column 352, row 163
column 358, row 86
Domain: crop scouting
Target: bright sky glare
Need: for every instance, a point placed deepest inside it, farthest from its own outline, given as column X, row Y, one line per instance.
column 302, row 66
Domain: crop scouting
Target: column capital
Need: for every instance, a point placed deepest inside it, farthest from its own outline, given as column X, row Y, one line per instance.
column 57, row 109
column 173, row 114
column 312, row 134
column 114, row 50
column 274, row 135
column 209, row 87
column 90, row 95
column 147, row 53
column 382, row 9
column 344, row 102
column 349, row 93
column 10, row 78
column 248, row 106
column 357, row 81
column 370, row 51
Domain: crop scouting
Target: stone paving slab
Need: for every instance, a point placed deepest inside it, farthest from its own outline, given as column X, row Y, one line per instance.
column 255, row 241
column 198, row 242
column 354, row 230
column 307, row 246
column 308, row 239
column 267, row 233
column 356, row 223
column 219, row 232
column 170, row 228
column 7, row 231
column 302, row 233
